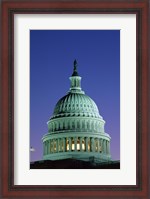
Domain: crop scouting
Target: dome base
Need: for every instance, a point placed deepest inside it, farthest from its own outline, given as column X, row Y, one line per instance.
column 85, row 156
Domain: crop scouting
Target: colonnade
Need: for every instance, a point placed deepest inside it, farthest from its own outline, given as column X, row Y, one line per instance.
column 82, row 144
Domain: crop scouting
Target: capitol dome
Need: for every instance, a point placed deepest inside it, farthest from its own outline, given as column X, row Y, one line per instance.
column 76, row 104
column 76, row 129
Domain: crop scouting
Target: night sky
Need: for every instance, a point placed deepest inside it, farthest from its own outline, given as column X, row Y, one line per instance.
column 52, row 53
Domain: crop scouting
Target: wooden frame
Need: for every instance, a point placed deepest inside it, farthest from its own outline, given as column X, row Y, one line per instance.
column 11, row 7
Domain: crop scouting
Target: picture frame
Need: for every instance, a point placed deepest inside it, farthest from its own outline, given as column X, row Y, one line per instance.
column 9, row 9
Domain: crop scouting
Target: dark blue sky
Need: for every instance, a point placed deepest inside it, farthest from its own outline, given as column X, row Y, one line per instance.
column 52, row 53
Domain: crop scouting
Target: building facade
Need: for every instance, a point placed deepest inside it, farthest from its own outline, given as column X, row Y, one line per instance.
column 76, row 129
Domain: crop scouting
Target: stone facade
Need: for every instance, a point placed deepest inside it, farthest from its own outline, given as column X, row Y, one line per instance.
column 76, row 129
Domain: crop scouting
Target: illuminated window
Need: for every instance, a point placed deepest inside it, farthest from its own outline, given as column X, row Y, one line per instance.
column 78, row 144
column 73, row 145
column 67, row 144
column 83, row 145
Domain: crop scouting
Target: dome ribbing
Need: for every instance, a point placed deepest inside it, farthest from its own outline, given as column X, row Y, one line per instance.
column 76, row 104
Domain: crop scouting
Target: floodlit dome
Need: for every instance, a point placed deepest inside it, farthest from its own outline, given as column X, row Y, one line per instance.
column 76, row 129
column 76, row 104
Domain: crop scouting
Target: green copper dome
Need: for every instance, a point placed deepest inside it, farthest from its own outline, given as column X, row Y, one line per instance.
column 76, row 104
column 76, row 129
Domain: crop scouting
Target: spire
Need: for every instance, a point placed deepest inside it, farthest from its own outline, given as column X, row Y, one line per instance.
column 75, row 79
column 75, row 73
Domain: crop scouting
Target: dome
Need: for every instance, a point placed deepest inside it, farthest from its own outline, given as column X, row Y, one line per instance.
column 76, row 104
column 76, row 129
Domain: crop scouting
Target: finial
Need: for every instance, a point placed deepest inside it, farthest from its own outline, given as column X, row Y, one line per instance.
column 75, row 65
column 75, row 73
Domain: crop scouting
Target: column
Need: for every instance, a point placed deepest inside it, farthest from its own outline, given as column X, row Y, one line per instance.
column 46, row 148
column 64, row 144
column 104, row 144
column 75, row 143
column 56, row 145
column 70, row 144
column 109, row 147
column 106, row 147
column 93, row 141
column 53, row 145
column 91, row 145
column 43, row 148
column 49, row 146
column 54, row 142
column 86, row 144
column 98, row 145
column 59, row 145
column 99, row 140
column 80, row 143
